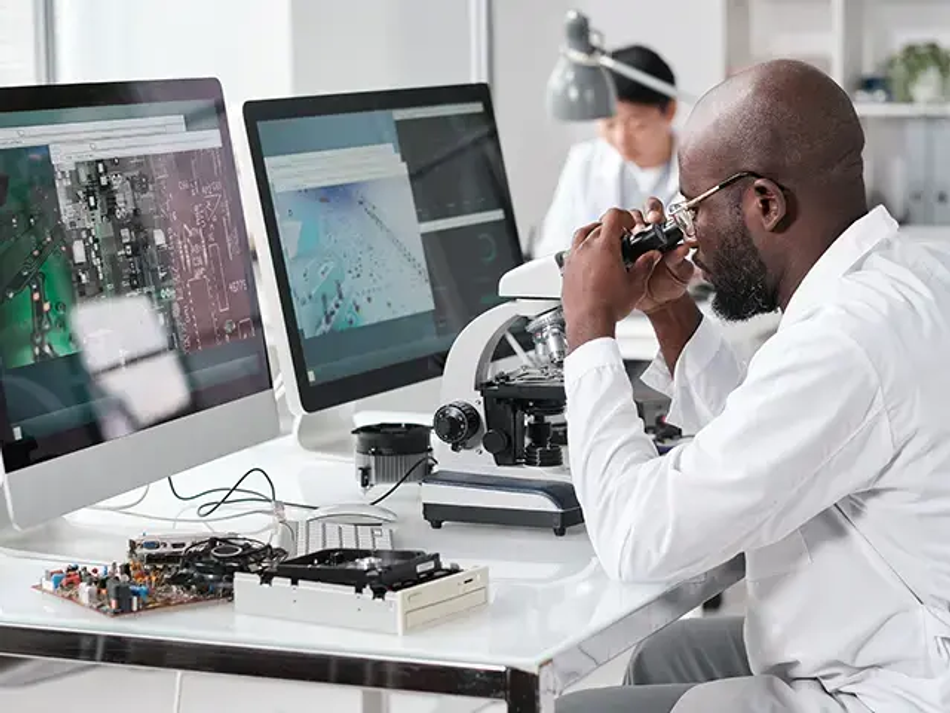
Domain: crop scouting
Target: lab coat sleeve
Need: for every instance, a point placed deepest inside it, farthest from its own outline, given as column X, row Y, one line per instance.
column 564, row 215
column 806, row 428
column 707, row 371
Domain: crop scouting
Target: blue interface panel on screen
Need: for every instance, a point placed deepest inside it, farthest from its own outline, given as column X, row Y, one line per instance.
column 389, row 223
column 129, row 321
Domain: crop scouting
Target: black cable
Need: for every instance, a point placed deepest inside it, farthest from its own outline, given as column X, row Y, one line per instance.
column 258, row 496
column 207, row 509
column 404, row 478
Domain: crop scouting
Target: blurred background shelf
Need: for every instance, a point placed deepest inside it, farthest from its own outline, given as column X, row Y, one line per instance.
column 894, row 110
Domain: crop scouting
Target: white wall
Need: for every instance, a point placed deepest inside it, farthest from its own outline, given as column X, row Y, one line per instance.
column 20, row 61
column 245, row 43
column 792, row 28
column 379, row 44
column 526, row 36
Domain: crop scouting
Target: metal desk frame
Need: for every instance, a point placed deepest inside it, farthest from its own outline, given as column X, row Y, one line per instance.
column 522, row 691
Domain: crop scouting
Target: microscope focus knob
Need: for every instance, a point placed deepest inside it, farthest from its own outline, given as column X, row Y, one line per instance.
column 456, row 423
column 495, row 441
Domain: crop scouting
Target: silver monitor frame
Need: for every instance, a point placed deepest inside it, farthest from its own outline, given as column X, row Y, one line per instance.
column 38, row 494
column 332, row 418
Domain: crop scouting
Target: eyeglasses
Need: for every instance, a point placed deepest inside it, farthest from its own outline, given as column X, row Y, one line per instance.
column 684, row 212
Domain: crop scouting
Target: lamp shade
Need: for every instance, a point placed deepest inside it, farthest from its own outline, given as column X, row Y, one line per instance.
column 579, row 90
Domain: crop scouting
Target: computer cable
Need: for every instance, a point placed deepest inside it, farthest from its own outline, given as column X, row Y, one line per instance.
column 209, row 508
column 176, row 697
column 122, row 508
column 256, row 496
column 404, row 478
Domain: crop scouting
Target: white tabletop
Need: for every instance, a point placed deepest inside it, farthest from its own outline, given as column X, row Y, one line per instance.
column 548, row 594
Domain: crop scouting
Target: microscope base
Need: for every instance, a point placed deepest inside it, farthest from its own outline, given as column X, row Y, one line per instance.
column 500, row 500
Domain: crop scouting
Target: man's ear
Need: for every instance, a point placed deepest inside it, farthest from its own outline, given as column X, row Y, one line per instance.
column 771, row 206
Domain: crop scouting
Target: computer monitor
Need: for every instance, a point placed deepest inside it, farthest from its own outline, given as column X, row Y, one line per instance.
column 389, row 224
column 131, row 345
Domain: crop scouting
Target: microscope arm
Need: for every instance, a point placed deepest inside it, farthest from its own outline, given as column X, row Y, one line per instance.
column 471, row 354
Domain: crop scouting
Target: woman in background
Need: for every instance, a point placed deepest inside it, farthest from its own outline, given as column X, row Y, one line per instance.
column 633, row 158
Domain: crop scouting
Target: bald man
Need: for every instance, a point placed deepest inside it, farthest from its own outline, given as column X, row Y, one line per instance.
column 825, row 460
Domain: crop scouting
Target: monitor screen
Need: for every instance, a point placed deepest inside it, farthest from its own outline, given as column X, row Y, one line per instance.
column 127, row 296
column 393, row 225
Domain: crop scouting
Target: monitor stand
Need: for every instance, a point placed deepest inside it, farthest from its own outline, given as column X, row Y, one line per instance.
column 329, row 433
column 87, row 536
column 67, row 540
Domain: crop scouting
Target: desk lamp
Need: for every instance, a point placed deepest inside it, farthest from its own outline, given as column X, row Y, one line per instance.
column 580, row 87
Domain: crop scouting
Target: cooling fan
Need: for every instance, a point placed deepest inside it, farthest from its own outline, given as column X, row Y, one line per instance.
column 210, row 565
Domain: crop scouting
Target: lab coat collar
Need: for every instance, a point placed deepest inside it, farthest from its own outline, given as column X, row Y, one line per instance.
column 852, row 245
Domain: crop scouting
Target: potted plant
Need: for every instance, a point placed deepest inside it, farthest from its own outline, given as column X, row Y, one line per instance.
column 920, row 73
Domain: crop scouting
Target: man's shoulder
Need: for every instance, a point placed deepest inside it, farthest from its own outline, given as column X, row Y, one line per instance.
column 889, row 305
column 902, row 284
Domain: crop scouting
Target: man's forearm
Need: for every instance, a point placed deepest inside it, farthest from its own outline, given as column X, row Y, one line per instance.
column 674, row 325
column 588, row 327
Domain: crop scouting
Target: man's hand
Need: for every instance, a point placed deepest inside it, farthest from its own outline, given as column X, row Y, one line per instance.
column 598, row 290
column 671, row 275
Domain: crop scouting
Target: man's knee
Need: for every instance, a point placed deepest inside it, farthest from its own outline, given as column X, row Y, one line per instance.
column 645, row 699
column 753, row 694
column 671, row 654
column 649, row 662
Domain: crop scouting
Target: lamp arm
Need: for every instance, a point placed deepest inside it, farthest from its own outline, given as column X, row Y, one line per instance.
column 600, row 58
column 642, row 77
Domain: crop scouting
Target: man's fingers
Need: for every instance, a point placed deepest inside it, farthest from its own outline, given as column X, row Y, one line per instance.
column 677, row 265
column 638, row 219
column 614, row 225
column 642, row 269
column 654, row 211
column 581, row 234
column 683, row 271
column 677, row 255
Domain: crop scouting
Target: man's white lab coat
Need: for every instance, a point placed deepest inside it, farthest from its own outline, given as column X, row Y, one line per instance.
column 826, row 461
column 595, row 178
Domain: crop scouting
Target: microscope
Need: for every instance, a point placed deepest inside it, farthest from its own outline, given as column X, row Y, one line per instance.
column 502, row 448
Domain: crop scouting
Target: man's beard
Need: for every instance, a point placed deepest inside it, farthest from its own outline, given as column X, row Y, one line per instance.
column 740, row 278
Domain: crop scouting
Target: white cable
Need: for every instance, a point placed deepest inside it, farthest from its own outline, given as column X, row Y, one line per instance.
column 121, row 508
column 176, row 700
column 198, row 520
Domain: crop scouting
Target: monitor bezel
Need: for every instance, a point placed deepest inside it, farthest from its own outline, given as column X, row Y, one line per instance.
column 327, row 394
column 38, row 492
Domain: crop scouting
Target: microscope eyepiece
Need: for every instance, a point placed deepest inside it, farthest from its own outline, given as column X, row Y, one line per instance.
column 657, row 237
column 635, row 244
